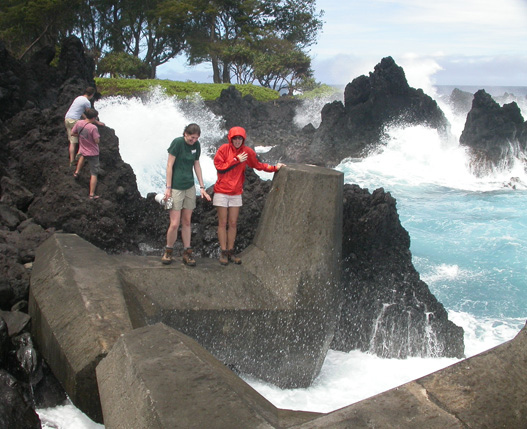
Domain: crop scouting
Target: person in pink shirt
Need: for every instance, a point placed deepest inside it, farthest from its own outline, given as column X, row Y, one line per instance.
column 89, row 138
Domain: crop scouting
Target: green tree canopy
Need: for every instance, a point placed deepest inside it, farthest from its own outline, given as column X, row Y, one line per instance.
column 230, row 34
column 28, row 23
column 264, row 41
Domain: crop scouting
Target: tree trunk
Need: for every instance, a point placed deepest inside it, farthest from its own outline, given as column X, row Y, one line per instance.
column 215, row 69
column 153, row 71
column 226, row 73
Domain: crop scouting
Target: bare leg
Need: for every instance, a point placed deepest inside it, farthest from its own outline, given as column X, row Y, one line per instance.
column 93, row 184
column 72, row 151
column 175, row 217
column 80, row 164
column 186, row 215
column 233, row 220
column 222, row 227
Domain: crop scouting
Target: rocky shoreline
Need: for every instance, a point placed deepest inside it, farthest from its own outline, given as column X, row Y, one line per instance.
column 40, row 197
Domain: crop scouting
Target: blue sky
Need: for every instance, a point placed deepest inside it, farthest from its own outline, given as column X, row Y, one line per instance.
column 444, row 42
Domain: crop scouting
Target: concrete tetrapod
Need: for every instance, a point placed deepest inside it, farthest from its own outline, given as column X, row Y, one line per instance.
column 78, row 312
column 155, row 377
column 274, row 316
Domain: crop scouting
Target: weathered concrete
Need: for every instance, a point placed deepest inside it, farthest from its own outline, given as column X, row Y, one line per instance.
column 78, row 312
column 274, row 316
column 155, row 377
column 79, row 316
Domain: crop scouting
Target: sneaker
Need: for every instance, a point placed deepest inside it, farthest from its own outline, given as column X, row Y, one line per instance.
column 188, row 259
column 224, row 257
column 233, row 258
column 167, row 256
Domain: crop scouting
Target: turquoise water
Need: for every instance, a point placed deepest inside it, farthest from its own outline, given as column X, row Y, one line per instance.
column 468, row 240
column 470, row 247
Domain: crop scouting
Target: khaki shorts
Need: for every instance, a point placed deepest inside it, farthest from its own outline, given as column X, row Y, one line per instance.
column 184, row 199
column 224, row 200
column 69, row 126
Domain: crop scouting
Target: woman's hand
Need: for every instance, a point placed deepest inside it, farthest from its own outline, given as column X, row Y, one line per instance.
column 168, row 193
column 242, row 157
column 204, row 194
column 280, row 165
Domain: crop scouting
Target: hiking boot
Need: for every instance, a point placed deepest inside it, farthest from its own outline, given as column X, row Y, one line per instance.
column 188, row 259
column 167, row 256
column 233, row 257
column 224, row 257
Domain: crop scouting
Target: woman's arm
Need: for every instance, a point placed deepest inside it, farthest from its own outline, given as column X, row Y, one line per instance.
column 199, row 175
column 170, row 169
column 252, row 161
column 222, row 160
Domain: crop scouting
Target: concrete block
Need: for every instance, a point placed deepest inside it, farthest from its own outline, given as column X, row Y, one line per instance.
column 156, row 377
column 274, row 316
column 78, row 312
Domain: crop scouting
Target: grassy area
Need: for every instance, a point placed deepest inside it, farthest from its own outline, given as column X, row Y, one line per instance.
column 320, row 91
column 207, row 91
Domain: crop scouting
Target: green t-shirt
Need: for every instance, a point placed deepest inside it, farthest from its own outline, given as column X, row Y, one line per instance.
column 186, row 155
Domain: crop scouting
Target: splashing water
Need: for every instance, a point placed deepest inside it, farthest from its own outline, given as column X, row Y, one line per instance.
column 146, row 129
column 468, row 236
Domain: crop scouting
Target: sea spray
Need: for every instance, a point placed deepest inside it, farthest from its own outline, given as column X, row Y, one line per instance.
column 146, row 127
column 468, row 242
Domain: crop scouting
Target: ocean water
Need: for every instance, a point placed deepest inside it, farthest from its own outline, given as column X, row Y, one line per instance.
column 468, row 238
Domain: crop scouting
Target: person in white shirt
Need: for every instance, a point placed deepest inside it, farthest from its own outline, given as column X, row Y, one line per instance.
column 74, row 113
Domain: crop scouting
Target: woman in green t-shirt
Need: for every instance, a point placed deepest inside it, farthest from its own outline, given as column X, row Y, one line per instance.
column 183, row 156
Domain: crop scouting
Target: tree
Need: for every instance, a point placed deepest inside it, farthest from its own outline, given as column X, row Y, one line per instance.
column 224, row 32
column 25, row 24
column 280, row 65
column 151, row 30
column 121, row 64
column 248, row 40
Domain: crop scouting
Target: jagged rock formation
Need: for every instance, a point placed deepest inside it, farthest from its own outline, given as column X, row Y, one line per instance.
column 39, row 195
column 460, row 101
column 357, row 126
column 387, row 309
column 495, row 134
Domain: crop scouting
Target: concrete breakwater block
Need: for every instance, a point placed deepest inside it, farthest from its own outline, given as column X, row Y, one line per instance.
column 488, row 390
column 78, row 312
column 274, row 316
column 156, row 377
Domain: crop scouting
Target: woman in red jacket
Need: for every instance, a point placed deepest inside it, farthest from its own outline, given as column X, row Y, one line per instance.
column 230, row 161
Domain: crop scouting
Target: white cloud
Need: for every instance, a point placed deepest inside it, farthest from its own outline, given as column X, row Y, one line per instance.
column 481, row 35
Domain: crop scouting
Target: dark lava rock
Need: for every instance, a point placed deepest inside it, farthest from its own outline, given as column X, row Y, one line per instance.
column 495, row 134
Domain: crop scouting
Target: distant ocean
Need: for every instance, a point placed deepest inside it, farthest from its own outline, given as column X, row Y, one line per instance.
column 468, row 237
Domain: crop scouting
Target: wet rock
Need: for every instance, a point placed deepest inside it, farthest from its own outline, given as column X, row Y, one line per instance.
column 15, row 409
column 496, row 135
column 387, row 309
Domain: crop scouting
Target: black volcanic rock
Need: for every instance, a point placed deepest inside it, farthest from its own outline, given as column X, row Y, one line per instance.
column 387, row 309
column 267, row 123
column 15, row 409
column 460, row 101
column 495, row 134
column 370, row 105
column 38, row 194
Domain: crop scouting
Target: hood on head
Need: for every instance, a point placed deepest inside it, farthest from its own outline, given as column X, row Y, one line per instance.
column 236, row 131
